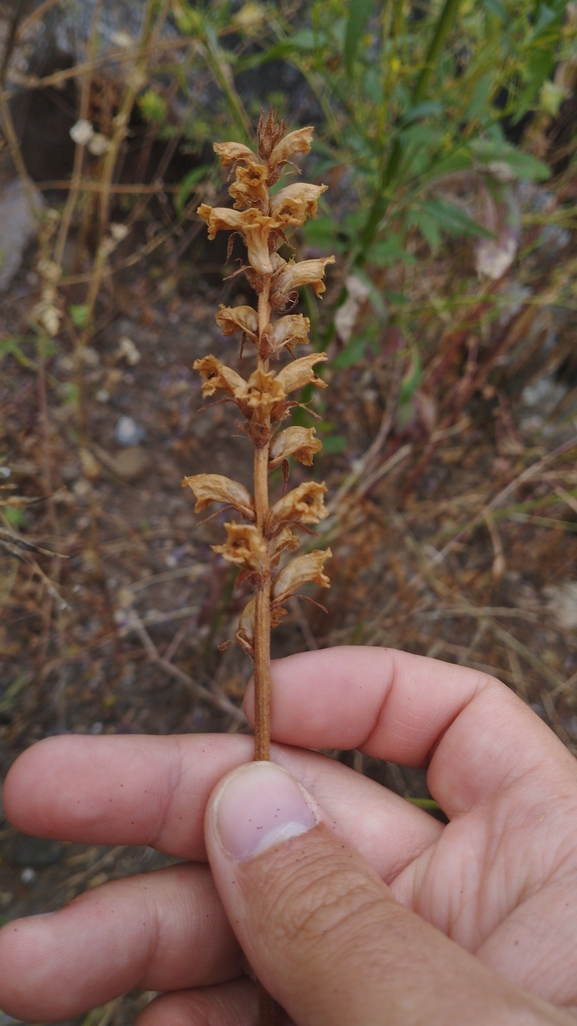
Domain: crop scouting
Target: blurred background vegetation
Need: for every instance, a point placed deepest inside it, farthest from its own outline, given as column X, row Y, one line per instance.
column 446, row 132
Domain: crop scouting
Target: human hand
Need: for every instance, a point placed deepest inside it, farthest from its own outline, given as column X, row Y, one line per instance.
column 329, row 939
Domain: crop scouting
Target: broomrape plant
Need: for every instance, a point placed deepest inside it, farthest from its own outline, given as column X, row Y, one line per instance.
column 258, row 544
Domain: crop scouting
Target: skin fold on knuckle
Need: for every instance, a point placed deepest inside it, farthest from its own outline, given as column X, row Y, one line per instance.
column 322, row 896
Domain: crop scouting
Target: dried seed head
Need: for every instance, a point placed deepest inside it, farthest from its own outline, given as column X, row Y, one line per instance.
column 209, row 488
column 302, row 569
column 215, row 375
column 244, row 546
column 304, row 504
column 299, row 442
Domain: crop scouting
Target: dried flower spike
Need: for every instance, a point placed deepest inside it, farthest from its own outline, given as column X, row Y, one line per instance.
column 262, row 542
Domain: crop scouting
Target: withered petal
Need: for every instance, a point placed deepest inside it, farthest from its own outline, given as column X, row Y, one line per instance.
column 299, row 442
column 216, row 375
column 297, row 202
column 300, row 372
column 237, row 318
column 304, row 503
column 244, row 546
column 300, row 570
column 289, row 331
column 307, row 272
column 295, row 142
column 209, row 488
column 228, row 152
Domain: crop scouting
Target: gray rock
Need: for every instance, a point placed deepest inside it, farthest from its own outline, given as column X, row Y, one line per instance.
column 128, row 432
column 17, row 228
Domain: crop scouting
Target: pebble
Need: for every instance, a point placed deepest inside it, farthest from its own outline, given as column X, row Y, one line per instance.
column 128, row 432
column 27, row 875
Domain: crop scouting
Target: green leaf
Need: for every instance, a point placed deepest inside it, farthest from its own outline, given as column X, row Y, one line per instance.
column 188, row 184
column 14, row 689
column 78, row 314
column 428, row 228
column 360, row 12
column 334, row 444
column 351, row 354
column 14, row 516
column 389, row 251
column 526, row 167
column 411, row 379
column 452, row 219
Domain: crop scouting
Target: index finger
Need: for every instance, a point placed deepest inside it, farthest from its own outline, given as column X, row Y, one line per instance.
column 472, row 731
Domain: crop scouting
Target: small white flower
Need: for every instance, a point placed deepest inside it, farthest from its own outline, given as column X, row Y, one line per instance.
column 118, row 231
column 122, row 40
column 98, row 145
column 82, row 132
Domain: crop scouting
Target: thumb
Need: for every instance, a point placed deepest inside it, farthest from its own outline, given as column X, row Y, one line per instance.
column 321, row 929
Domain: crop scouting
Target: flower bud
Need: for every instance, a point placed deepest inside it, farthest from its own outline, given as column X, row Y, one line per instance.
column 244, row 546
column 302, row 569
column 299, row 442
column 304, row 503
column 209, row 488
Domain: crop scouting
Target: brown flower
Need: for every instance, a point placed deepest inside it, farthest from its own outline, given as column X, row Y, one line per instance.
column 288, row 332
column 254, row 226
column 299, row 442
column 216, row 375
column 307, row 272
column 305, row 504
column 295, row 203
column 250, row 188
column 244, row 546
column 229, row 152
column 302, row 569
column 209, row 488
column 300, row 372
column 262, row 397
column 295, row 142
column 238, row 318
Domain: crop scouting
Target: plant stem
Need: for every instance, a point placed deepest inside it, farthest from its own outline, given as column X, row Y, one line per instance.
column 262, row 597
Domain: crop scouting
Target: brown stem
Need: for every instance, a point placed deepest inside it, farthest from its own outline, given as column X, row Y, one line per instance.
column 262, row 598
